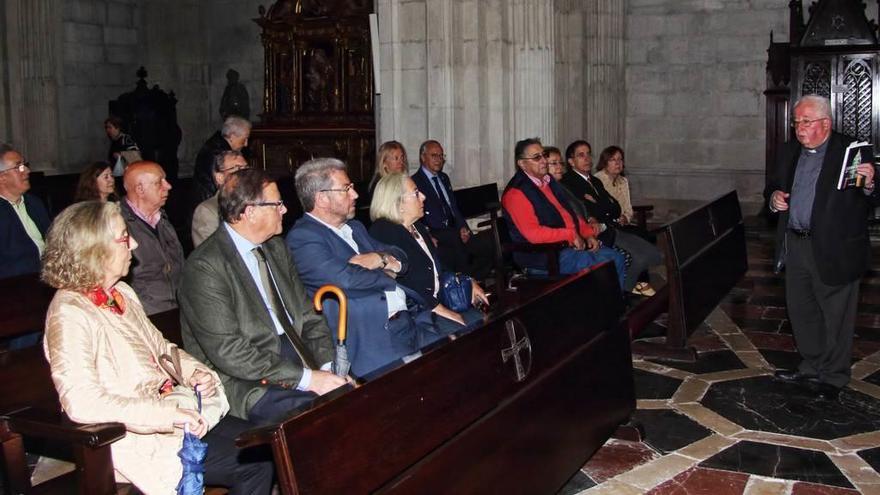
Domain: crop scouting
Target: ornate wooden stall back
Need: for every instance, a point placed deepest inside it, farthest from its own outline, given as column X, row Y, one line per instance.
column 835, row 54
column 150, row 116
column 318, row 95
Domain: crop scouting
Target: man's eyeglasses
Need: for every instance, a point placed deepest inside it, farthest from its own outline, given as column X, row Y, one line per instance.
column 21, row 167
column 536, row 157
column 275, row 204
column 805, row 122
column 344, row 189
column 125, row 239
column 437, row 156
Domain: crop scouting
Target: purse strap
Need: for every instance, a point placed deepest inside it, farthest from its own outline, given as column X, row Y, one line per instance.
column 171, row 365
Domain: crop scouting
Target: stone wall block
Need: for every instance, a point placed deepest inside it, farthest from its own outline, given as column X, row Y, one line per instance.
column 413, row 90
column 120, row 36
column 647, row 79
column 411, row 21
column 120, row 54
column 645, row 26
column 83, row 53
column 642, row 104
column 742, row 103
column 77, row 32
column 412, row 55
column 85, row 11
column 120, row 14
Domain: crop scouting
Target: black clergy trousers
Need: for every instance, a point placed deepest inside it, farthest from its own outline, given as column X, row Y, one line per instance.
column 822, row 316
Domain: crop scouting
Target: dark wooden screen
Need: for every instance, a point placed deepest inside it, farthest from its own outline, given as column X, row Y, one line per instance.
column 318, row 95
column 834, row 54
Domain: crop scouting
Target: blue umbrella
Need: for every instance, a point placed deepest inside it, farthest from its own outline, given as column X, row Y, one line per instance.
column 192, row 455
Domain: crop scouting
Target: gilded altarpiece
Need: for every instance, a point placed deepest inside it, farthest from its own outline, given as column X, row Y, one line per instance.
column 318, row 94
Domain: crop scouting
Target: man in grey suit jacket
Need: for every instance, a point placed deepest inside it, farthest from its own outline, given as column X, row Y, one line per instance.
column 271, row 359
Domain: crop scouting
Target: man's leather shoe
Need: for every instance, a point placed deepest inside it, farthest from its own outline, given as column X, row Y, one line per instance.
column 791, row 376
column 822, row 390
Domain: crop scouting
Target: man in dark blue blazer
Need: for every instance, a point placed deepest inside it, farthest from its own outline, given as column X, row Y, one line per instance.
column 23, row 218
column 328, row 247
column 456, row 244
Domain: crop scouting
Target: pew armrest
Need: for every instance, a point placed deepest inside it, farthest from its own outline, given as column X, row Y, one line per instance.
column 265, row 435
column 640, row 212
column 58, row 427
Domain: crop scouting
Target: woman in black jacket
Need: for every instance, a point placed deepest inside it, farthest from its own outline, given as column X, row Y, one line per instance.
column 396, row 207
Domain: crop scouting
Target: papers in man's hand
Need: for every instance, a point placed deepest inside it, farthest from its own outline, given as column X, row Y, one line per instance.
column 856, row 154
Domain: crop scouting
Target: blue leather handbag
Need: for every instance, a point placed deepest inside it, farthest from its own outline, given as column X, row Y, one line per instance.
column 455, row 291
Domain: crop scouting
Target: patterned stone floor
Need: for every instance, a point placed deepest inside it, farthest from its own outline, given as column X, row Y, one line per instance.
column 723, row 426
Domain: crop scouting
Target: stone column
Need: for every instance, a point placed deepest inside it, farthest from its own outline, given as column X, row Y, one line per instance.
column 604, row 74
column 33, row 30
column 532, row 31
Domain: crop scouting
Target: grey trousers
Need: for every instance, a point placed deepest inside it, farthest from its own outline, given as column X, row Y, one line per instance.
column 822, row 316
column 643, row 253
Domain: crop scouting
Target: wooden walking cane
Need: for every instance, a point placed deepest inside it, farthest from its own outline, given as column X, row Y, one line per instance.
column 341, row 364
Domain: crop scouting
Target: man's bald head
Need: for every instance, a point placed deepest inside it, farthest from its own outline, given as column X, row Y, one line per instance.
column 145, row 186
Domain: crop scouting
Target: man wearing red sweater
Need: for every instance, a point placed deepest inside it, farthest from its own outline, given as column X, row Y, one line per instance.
column 537, row 211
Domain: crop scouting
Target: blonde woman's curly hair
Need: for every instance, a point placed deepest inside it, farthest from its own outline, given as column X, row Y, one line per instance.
column 78, row 244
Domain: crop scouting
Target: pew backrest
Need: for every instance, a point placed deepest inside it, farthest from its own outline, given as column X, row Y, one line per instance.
column 461, row 416
column 477, row 200
column 705, row 256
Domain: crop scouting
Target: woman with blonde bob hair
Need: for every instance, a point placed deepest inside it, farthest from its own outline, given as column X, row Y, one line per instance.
column 396, row 207
column 391, row 159
column 105, row 355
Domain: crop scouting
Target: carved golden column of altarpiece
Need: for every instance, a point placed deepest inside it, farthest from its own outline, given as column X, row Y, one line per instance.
column 318, row 95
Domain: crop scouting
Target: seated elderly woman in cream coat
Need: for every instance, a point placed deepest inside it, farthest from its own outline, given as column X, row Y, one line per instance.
column 104, row 355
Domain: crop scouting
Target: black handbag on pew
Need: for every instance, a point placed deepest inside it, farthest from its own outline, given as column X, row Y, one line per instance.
column 456, row 291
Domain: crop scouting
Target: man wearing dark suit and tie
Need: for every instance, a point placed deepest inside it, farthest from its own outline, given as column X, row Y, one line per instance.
column 602, row 206
column 456, row 244
column 245, row 312
column 822, row 241
column 387, row 322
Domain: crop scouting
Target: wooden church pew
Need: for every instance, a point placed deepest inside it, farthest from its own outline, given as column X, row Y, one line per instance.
column 705, row 256
column 516, row 406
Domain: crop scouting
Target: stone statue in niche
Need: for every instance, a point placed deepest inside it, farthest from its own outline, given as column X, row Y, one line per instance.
column 318, row 81
column 235, row 100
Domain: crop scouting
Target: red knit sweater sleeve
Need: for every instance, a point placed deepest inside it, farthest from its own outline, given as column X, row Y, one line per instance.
column 523, row 214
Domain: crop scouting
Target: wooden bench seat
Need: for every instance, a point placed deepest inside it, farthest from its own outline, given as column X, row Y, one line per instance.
column 30, row 414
